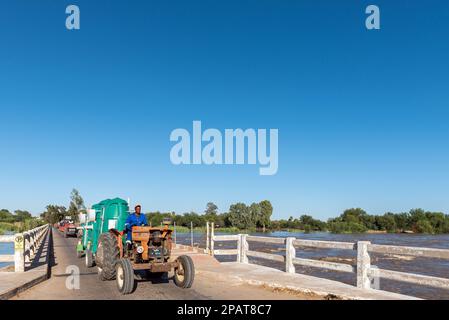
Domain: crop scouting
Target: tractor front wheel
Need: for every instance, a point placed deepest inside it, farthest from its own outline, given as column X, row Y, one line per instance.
column 89, row 258
column 185, row 272
column 126, row 283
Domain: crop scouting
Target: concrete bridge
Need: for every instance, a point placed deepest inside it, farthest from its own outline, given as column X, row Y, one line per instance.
column 46, row 272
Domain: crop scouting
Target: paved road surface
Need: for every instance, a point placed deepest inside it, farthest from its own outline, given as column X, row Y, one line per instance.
column 92, row 288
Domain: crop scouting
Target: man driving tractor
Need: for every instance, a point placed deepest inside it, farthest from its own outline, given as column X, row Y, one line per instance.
column 144, row 248
column 134, row 219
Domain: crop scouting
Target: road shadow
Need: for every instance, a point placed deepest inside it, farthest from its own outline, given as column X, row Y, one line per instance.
column 44, row 256
column 152, row 277
column 40, row 256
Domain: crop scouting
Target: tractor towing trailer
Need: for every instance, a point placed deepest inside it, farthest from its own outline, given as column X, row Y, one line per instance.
column 103, row 243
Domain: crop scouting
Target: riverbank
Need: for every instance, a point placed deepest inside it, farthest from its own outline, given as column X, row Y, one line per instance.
column 7, row 227
column 19, row 226
column 182, row 229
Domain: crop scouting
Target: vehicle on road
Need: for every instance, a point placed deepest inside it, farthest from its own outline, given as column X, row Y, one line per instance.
column 68, row 228
column 104, row 244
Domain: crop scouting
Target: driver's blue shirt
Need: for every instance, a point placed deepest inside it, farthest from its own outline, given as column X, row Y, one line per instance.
column 134, row 220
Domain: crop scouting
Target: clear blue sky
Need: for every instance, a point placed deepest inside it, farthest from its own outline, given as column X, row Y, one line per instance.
column 362, row 115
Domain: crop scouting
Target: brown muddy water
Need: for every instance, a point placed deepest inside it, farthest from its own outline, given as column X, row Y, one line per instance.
column 425, row 266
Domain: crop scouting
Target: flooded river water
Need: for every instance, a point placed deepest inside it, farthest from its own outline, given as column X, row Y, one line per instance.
column 425, row 266
column 6, row 248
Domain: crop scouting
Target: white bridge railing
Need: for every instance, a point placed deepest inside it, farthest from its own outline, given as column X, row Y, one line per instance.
column 365, row 272
column 26, row 245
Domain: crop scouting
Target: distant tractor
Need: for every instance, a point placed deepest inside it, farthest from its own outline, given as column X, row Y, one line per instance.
column 68, row 228
column 104, row 244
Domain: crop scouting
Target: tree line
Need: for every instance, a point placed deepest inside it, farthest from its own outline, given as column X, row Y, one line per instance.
column 239, row 216
column 55, row 213
column 22, row 220
column 257, row 216
column 357, row 220
column 416, row 220
column 17, row 221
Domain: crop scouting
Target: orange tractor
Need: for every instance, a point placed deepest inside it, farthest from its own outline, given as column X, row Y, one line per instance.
column 149, row 252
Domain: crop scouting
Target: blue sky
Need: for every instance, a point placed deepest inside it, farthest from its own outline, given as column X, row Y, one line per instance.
column 362, row 115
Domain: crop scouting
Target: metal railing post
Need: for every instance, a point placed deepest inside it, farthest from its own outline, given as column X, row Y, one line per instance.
column 290, row 254
column 363, row 265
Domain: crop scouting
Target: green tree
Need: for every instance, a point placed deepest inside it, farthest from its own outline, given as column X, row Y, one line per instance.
column 255, row 214
column 210, row 214
column 437, row 221
column 240, row 216
column 416, row 215
column 211, row 209
column 402, row 221
column 308, row 223
column 194, row 218
column 76, row 205
column 156, row 218
column 6, row 216
column 22, row 215
column 31, row 224
column 350, row 221
column 266, row 210
column 54, row 213
column 354, row 215
column 386, row 222
column 423, row 226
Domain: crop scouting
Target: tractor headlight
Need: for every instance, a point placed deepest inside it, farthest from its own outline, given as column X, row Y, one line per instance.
column 139, row 249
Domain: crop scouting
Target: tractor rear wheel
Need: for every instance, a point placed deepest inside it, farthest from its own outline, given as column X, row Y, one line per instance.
column 126, row 283
column 89, row 258
column 185, row 273
column 107, row 256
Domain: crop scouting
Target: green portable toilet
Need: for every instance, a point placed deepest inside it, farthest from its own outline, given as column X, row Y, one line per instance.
column 114, row 215
column 109, row 214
